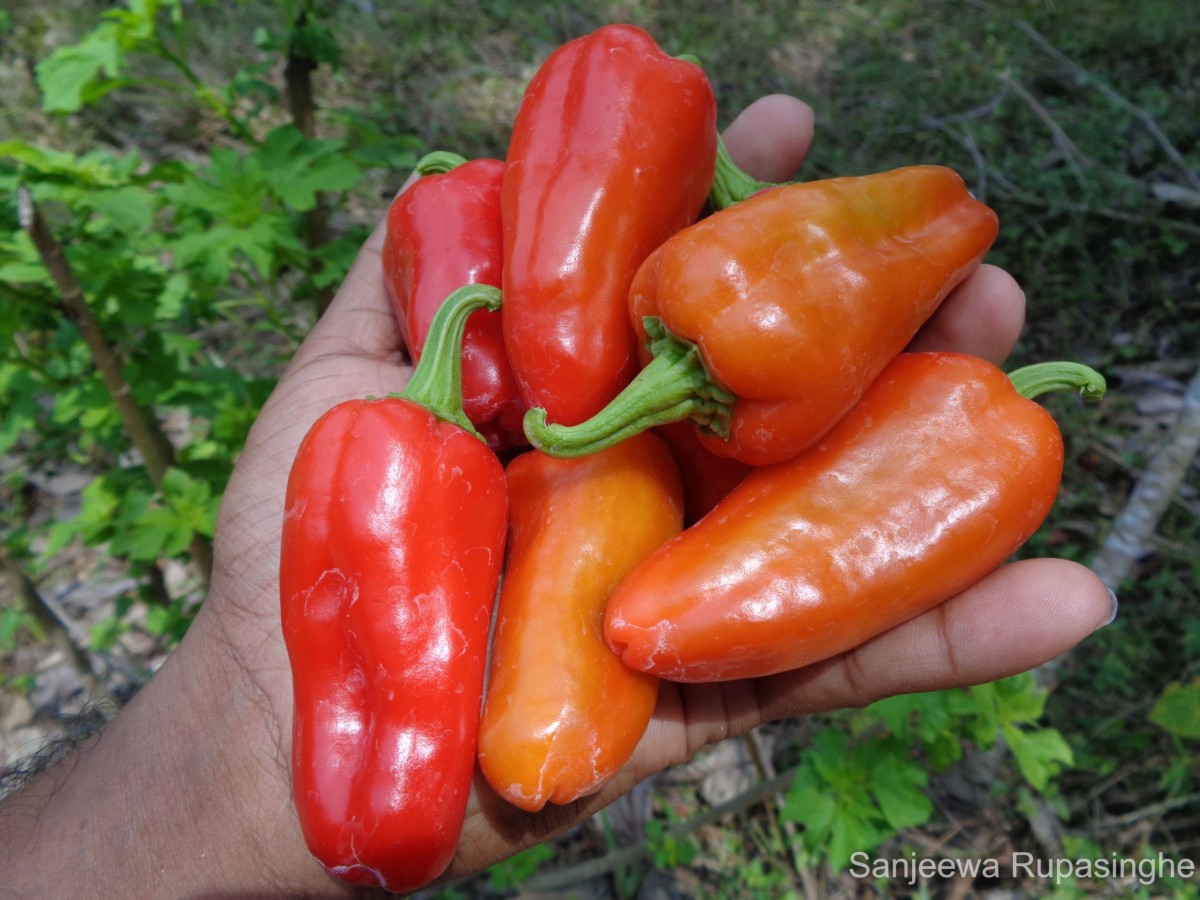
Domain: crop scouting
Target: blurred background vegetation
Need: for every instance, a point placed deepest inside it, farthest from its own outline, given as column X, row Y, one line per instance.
column 182, row 185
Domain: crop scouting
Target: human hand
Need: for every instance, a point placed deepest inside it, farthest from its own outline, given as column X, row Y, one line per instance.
column 195, row 773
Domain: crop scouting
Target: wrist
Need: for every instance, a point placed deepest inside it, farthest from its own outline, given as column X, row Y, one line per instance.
column 185, row 792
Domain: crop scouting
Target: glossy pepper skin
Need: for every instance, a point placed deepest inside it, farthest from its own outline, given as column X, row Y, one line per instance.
column 612, row 151
column 775, row 314
column 936, row 476
column 707, row 478
column 562, row 713
column 444, row 231
column 392, row 545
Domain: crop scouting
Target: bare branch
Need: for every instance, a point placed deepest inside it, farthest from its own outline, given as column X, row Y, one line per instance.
column 1070, row 153
column 1148, row 121
column 1134, row 528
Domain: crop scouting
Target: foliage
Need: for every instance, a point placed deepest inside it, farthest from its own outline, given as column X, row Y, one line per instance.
column 517, row 869
column 857, row 787
column 194, row 269
column 1177, row 710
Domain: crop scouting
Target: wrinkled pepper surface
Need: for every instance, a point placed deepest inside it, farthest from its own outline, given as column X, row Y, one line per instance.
column 937, row 475
column 562, row 713
column 443, row 231
column 392, row 545
column 612, row 151
column 766, row 321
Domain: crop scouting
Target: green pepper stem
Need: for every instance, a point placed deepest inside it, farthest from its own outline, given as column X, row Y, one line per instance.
column 438, row 162
column 730, row 183
column 674, row 386
column 436, row 383
column 1041, row 378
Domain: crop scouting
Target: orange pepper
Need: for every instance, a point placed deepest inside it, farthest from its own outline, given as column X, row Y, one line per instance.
column 771, row 317
column 562, row 714
column 940, row 472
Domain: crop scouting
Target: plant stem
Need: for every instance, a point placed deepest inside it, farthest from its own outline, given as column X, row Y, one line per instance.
column 438, row 162
column 674, row 386
column 1042, row 378
column 436, row 384
column 730, row 183
column 142, row 428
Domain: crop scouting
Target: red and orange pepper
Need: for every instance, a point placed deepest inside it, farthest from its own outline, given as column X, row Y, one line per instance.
column 937, row 475
column 838, row 486
column 562, row 713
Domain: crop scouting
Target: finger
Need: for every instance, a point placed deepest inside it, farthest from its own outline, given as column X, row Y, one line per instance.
column 771, row 137
column 1017, row 618
column 983, row 316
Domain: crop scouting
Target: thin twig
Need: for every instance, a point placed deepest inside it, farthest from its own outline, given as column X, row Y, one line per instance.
column 1148, row 121
column 1132, row 531
column 1066, row 147
column 1154, row 809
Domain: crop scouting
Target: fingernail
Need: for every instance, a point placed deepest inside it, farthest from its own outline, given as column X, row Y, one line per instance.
column 1113, row 605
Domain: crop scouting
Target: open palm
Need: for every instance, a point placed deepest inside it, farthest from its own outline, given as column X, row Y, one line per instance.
column 1015, row 619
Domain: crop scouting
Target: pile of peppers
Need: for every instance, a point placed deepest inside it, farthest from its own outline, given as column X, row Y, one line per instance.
column 662, row 425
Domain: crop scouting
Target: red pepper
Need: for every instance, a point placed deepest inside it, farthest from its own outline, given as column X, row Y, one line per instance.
column 390, row 561
column 940, row 472
column 443, row 232
column 770, row 318
column 612, row 151
column 562, row 713
column 707, row 478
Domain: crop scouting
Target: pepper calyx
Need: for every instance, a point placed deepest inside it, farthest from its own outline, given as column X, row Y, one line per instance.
column 674, row 386
column 731, row 184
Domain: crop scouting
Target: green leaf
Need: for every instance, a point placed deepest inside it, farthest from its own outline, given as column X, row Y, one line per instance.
column 215, row 252
column 171, row 300
column 82, row 73
column 155, row 533
column 1040, row 754
column 297, row 167
column 1177, row 710
column 829, row 755
column 130, row 208
column 38, row 158
column 313, row 41
column 13, row 621
column 229, row 189
column 171, row 620
column 811, row 807
column 22, row 272
column 902, row 798
column 59, row 535
column 517, row 869
column 851, row 833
